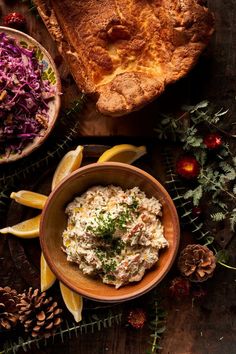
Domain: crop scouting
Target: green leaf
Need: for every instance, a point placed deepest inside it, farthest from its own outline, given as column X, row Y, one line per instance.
column 218, row 216
column 221, row 112
column 201, row 156
column 209, row 240
column 188, row 194
column 161, row 330
column 233, row 220
column 198, row 192
column 234, row 161
column 165, row 120
column 192, row 109
column 230, row 172
column 222, row 256
column 234, row 189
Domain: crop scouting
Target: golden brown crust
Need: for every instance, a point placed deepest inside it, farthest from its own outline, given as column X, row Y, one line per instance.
column 126, row 51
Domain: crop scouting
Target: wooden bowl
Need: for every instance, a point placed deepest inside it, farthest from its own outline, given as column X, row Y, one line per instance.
column 50, row 72
column 54, row 221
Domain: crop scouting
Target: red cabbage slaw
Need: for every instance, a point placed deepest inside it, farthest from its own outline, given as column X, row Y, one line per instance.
column 24, row 96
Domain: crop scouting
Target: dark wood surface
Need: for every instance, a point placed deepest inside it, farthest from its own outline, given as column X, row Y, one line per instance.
column 199, row 327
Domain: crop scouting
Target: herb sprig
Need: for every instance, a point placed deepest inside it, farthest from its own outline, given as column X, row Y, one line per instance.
column 217, row 178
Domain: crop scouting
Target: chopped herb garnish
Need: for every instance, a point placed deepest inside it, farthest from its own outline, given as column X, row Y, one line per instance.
column 119, row 245
column 134, row 204
column 109, row 266
column 108, row 263
column 106, row 225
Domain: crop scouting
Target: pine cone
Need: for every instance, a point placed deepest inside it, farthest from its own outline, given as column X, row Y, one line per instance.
column 8, row 310
column 39, row 315
column 197, row 263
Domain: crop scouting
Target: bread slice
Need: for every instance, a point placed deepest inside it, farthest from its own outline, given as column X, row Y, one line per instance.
column 125, row 52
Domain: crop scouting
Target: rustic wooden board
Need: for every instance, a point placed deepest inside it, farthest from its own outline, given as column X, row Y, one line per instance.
column 208, row 327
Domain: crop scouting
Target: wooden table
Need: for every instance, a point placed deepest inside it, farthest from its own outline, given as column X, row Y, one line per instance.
column 199, row 327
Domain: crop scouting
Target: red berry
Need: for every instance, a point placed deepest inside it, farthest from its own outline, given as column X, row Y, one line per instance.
column 179, row 287
column 197, row 211
column 188, row 167
column 137, row 318
column 212, row 141
column 15, row 20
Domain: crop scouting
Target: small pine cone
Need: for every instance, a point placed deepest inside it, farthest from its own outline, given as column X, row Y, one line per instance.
column 8, row 308
column 39, row 315
column 197, row 263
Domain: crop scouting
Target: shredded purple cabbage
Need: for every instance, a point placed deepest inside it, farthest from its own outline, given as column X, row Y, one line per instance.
column 24, row 96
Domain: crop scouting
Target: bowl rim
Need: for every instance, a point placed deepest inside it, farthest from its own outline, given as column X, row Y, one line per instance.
column 52, row 265
column 36, row 144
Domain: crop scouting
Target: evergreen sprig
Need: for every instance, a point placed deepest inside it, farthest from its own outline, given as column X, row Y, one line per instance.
column 217, row 178
column 185, row 125
column 93, row 324
column 176, row 189
column 157, row 325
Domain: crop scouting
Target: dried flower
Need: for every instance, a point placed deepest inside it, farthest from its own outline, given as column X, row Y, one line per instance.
column 137, row 318
column 179, row 287
column 15, row 20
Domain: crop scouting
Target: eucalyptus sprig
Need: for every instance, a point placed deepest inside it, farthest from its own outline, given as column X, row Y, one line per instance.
column 157, row 326
column 69, row 330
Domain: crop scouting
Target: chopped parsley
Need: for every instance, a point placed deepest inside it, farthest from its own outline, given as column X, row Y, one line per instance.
column 106, row 225
column 134, row 204
column 108, row 263
column 109, row 266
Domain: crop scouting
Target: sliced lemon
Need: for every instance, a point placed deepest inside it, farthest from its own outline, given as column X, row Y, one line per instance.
column 47, row 277
column 25, row 229
column 73, row 302
column 28, row 198
column 123, row 153
column 69, row 163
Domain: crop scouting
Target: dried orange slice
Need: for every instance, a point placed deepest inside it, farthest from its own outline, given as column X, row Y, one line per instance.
column 125, row 153
column 28, row 198
column 25, row 229
column 47, row 277
column 73, row 302
column 69, row 163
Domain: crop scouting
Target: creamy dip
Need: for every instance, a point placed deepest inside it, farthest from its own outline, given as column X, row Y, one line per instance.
column 114, row 234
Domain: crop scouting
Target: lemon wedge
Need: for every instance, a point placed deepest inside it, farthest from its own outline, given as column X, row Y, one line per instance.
column 28, row 198
column 73, row 302
column 25, row 229
column 47, row 277
column 125, row 153
column 69, row 163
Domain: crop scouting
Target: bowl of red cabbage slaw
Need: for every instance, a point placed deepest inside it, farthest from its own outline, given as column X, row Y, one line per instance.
column 30, row 91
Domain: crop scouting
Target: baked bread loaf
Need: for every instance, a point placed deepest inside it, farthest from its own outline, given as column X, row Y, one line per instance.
column 124, row 52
